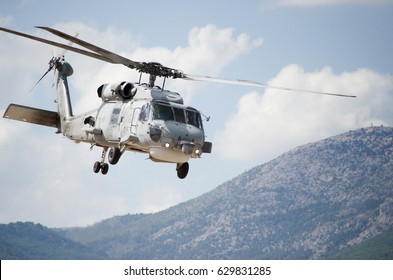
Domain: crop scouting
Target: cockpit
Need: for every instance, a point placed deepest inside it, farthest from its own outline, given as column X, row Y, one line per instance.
column 169, row 112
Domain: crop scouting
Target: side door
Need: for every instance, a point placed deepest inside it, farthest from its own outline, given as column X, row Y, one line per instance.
column 125, row 121
column 134, row 121
column 128, row 122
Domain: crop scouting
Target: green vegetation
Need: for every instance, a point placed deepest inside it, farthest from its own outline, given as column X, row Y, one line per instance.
column 379, row 247
column 24, row 241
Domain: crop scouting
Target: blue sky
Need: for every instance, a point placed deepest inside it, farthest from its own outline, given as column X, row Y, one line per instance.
column 339, row 45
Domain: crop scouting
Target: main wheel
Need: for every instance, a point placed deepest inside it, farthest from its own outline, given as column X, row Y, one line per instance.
column 104, row 168
column 114, row 155
column 182, row 170
column 97, row 167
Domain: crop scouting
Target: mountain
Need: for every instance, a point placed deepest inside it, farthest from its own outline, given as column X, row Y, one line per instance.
column 308, row 203
column 24, row 241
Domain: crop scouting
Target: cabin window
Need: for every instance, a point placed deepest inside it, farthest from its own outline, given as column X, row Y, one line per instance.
column 115, row 115
column 145, row 112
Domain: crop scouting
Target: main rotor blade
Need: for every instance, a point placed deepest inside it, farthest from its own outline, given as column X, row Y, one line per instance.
column 69, row 44
column 254, row 84
column 56, row 44
column 115, row 58
column 151, row 68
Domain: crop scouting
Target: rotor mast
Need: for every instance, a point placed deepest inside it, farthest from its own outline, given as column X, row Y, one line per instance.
column 152, row 80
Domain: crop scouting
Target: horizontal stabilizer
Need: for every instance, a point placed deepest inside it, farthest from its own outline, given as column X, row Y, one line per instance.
column 32, row 115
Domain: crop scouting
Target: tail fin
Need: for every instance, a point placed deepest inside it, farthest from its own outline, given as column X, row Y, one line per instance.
column 63, row 93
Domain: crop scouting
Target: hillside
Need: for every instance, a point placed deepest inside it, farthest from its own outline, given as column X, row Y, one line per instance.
column 306, row 204
column 379, row 247
column 25, row 241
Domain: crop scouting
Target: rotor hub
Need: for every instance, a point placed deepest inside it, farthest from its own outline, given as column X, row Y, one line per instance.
column 157, row 69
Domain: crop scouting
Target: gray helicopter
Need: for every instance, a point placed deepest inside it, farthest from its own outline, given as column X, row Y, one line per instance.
column 133, row 116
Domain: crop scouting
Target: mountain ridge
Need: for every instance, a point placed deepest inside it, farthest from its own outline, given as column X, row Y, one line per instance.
column 310, row 201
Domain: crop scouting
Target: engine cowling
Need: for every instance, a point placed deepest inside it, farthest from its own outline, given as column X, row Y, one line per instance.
column 120, row 91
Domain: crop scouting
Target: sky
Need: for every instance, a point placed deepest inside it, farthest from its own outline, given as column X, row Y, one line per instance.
column 341, row 46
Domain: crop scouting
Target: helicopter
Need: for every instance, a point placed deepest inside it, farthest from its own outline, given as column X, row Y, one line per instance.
column 133, row 116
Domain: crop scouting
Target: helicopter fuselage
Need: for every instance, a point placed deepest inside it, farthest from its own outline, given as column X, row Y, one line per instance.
column 132, row 117
column 167, row 131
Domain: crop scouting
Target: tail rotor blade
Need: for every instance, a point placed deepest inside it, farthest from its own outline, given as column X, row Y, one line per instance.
column 49, row 69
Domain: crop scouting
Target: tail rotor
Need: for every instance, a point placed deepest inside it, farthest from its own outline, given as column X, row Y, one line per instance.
column 53, row 62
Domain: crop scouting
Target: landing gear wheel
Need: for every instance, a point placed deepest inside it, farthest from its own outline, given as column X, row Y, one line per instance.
column 182, row 170
column 104, row 168
column 114, row 155
column 101, row 165
column 97, row 167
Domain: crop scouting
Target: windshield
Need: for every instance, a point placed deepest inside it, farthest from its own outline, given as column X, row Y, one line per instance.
column 171, row 113
column 163, row 112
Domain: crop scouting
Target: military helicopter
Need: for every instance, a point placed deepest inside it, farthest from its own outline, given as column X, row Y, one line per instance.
column 133, row 116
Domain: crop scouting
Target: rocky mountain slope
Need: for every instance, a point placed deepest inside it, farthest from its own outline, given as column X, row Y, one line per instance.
column 306, row 204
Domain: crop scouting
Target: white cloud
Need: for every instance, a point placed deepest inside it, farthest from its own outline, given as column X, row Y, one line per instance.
column 213, row 47
column 268, row 124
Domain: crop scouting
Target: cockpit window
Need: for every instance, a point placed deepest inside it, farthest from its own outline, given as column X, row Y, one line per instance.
column 179, row 115
column 168, row 113
column 194, row 118
column 163, row 112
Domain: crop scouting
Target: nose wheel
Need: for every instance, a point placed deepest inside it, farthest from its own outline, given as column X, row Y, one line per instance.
column 182, row 170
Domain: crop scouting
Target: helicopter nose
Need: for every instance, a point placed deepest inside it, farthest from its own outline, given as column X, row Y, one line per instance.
column 185, row 138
